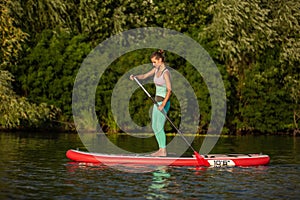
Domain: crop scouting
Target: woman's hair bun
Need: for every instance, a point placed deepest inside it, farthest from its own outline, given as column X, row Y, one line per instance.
column 161, row 51
column 158, row 54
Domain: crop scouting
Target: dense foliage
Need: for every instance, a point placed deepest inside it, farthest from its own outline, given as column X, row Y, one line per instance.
column 255, row 44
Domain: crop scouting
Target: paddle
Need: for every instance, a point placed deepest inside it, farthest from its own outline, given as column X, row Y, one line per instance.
column 201, row 161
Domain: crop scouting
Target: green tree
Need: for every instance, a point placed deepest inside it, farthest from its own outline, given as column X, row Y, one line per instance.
column 47, row 74
column 101, row 19
column 183, row 16
column 249, row 34
column 11, row 37
column 287, row 26
column 18, row 112
column 243, row 31
column 265, row 105
column 34, row 16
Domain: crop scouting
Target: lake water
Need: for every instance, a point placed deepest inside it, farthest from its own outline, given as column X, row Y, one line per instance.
column 34, row 166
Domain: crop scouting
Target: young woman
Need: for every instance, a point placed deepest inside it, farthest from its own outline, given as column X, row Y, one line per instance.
column 163, row 92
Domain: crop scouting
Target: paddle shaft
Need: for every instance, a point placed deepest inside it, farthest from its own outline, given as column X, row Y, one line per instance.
column 155, row 102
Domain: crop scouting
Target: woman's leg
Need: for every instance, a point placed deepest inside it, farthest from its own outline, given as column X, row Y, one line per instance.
column 158, row 123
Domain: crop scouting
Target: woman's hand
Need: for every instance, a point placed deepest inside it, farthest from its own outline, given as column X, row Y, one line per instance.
column 161, row 107
column 131, row 77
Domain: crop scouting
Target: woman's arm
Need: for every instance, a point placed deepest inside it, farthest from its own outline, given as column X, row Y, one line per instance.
column 144, row 76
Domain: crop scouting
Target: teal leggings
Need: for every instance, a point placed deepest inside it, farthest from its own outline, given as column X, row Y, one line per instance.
column 158, row 123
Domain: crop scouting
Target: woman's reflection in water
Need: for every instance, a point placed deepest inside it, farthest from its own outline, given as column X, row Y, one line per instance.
column 158, row 188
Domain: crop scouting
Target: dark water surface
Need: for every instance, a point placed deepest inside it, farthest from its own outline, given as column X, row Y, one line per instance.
column 34, row 166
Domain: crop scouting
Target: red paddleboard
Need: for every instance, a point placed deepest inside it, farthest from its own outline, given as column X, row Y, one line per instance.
column 215, row 160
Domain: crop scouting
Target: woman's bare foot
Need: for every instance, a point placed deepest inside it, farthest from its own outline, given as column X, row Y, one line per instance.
column 160, row 152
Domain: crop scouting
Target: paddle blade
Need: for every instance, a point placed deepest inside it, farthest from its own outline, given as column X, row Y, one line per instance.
column 201, row 161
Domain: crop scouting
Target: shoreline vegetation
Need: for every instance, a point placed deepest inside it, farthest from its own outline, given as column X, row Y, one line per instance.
column 72, row 130
column 254, row 43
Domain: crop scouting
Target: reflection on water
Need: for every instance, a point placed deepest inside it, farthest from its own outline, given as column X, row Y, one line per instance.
column 35, row 167
column 159, row 186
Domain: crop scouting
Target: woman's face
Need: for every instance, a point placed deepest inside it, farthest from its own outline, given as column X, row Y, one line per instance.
column 156, row 62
